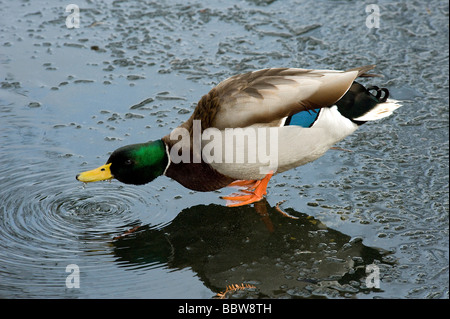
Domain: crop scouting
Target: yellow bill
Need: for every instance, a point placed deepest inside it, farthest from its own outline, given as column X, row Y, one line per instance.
column 102, row 173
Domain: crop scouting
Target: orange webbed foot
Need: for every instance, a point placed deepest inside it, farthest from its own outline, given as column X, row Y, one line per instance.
column 254, row 192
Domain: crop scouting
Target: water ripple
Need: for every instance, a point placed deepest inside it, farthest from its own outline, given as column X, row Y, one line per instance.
column 48, row 221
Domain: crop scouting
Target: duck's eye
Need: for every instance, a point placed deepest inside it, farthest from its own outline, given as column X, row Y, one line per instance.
column 128, row 162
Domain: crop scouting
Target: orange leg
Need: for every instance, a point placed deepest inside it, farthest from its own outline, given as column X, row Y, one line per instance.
column 255, row 190
column 243, row 183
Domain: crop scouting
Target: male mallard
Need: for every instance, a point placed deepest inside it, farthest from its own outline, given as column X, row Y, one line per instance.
column 304, row 112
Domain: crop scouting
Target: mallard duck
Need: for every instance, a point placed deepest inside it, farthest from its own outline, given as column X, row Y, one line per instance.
column 296, row 114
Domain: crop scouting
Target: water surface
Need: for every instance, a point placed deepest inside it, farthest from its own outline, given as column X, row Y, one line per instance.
column 134, row 70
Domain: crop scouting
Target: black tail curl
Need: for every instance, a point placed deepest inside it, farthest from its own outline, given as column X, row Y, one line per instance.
column 378, row 94
column 359, row 100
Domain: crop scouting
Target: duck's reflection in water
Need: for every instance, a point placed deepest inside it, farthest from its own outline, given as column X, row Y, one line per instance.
column 280, row 256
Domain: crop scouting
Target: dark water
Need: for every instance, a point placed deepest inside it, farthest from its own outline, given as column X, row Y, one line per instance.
column 134, row 70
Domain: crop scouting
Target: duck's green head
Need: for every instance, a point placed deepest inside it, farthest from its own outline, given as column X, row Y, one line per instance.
column 132, row 164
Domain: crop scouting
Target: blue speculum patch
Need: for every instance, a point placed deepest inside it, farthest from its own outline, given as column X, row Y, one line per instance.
column 304, row 118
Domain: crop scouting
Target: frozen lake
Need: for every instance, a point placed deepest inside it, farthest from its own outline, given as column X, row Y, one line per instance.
column 134, row 70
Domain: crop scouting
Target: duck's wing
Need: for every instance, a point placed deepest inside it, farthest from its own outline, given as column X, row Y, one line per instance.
column 269, row 95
